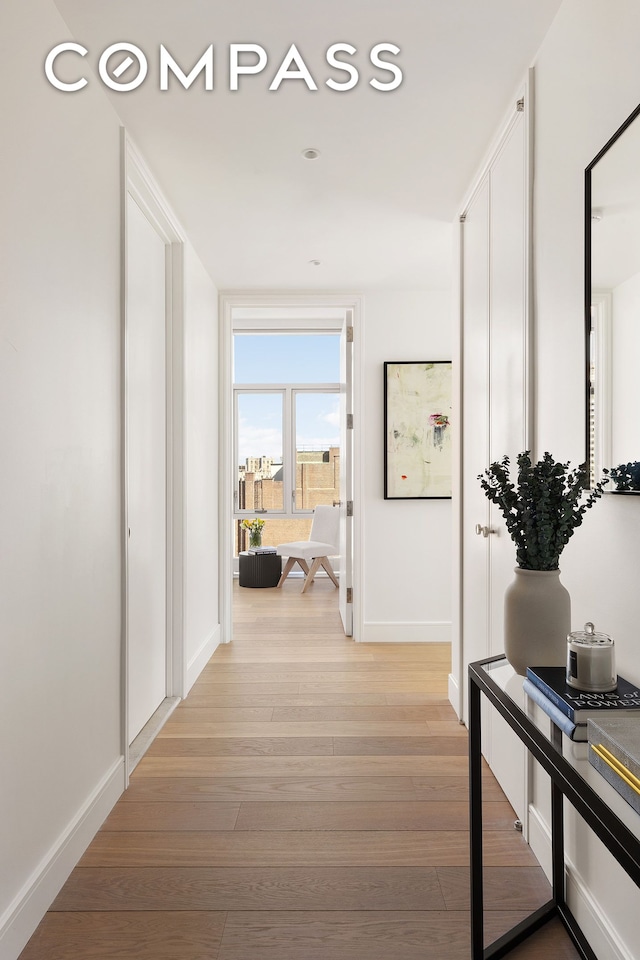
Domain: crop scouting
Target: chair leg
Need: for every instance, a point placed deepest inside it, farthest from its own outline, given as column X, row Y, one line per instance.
column 326, row 563
column 285, row 573
column 287, row 568
column 315, row 566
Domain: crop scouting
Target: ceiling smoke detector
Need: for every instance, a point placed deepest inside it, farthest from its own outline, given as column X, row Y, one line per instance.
column 310, row 153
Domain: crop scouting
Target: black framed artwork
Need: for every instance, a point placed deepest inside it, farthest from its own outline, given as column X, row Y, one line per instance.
column 417, row 430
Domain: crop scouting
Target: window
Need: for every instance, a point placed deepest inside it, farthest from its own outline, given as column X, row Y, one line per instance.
column 286, row 358
column 317, row 448
column 259, row 434
column 287, row 431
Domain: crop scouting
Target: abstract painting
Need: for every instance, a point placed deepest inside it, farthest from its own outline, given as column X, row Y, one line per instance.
column 417, row 430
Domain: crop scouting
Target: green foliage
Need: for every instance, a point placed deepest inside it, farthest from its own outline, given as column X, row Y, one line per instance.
column 542, row 508
column 626, row 476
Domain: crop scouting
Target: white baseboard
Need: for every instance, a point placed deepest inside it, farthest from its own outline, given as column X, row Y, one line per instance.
column 455, row 695
column 202, row 656
column 539, row 839
column 150, row 731
column 601, row 935
column 28, row 907
column 411, row 632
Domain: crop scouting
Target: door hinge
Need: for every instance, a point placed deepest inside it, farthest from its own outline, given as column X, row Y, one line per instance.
column 520, row 105
column 349, row 508
column 349, row 594
column 349, row 421
column 349, row 334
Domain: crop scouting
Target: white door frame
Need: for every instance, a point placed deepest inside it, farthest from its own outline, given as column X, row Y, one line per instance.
column 347, row 454
column 138, row 183
column 307, row 301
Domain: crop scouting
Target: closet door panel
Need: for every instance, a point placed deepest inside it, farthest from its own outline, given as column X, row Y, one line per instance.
column 494, row 295
column 507, row 434
column 475, row 362
column 508, row 343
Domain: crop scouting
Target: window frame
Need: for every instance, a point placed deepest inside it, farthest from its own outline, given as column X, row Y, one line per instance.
column 289, row 393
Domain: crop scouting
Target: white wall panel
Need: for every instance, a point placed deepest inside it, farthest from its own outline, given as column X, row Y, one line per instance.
column 407, row 560
column 60, row 563
column 202, row 609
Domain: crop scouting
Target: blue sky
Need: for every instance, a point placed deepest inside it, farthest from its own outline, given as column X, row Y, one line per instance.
column 286, row 359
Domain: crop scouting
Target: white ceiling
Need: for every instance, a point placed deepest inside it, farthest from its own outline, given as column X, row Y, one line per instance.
column 376, row 207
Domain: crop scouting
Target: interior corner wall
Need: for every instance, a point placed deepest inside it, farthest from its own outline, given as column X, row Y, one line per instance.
column 587, row 83
column 407, row 548
column 60, row 618
column 201, row 605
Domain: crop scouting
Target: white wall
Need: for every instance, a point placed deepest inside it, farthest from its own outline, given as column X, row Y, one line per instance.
column 61, row 736
column 625, row 385
column 60, row 630
column 587, row 83
column 407, row 543
column 201, row 616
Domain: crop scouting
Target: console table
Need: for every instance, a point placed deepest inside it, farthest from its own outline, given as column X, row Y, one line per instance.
column 567, row 782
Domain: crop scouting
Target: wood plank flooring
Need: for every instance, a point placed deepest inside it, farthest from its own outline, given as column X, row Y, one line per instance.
column 308, row 801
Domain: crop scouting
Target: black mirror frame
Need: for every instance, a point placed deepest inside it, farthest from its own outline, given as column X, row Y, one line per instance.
column 587, row 273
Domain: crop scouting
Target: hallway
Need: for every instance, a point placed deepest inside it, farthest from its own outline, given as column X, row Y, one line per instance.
column 307, row 802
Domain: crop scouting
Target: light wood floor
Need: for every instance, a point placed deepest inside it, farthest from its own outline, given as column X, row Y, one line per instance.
column 308, row 801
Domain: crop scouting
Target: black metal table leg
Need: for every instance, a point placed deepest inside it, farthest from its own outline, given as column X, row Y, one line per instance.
column 557, row 829
column 566, row 781
column 475, row 823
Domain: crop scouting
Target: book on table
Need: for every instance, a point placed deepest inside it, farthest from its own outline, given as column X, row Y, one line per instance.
column 261, row 551
column 575, row 731
column 581, row 705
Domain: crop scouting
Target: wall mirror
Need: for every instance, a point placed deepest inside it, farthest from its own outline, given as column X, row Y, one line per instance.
column 612, row 308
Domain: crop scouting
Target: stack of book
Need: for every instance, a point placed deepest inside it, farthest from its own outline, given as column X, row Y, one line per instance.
column 570, row 709
column 261, row 550
column 615, row 753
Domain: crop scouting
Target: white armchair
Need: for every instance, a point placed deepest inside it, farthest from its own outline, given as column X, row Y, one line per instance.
column 323, row 543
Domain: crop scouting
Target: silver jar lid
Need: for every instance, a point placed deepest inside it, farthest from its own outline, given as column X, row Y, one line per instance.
column 589, row 636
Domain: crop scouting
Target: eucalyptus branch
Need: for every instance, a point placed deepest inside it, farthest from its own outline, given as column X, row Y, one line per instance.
column 542, row 507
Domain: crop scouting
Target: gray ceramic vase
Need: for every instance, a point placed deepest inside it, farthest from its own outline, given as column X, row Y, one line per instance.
column 537, row 619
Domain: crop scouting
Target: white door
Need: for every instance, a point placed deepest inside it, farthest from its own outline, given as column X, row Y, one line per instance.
column 475, row 412
column 346, row 475
column 495, row 351
column 508, row 381
column 146, row 469
column 508, row 413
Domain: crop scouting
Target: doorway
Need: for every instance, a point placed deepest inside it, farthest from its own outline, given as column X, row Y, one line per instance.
column 296, row 407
